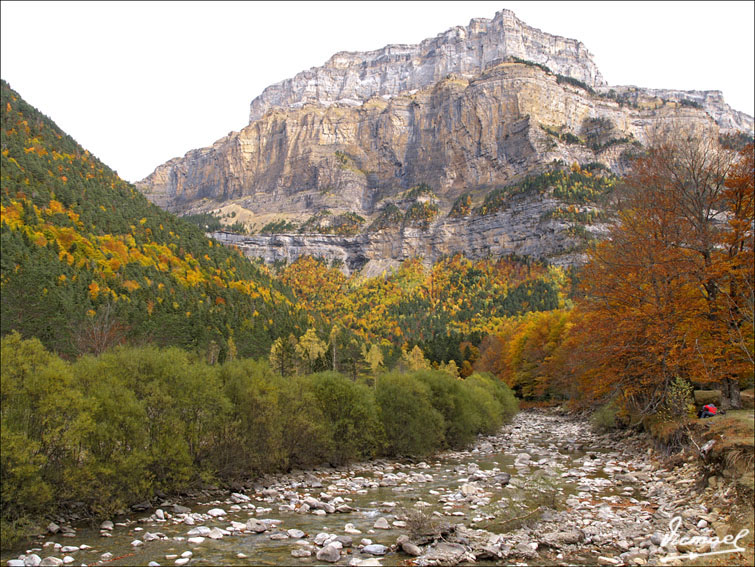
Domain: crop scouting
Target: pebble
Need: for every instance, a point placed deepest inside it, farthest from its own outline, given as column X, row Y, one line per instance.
column 69, row 548
column 382, row 524
column 619, row 499
column 329, row 553
column 375, row 549
column 350, row 529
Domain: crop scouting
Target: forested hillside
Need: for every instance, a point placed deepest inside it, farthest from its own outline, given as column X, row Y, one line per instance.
column 445, row 310
column 88, row 262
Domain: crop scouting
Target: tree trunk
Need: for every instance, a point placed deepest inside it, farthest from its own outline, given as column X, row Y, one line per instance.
column 730, row 398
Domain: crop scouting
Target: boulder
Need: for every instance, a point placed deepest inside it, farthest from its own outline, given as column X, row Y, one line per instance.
column 375, row 549
column 446, row 554
column 216, row 533
column 382, row 524
column 561, row 538
column 141, row 506
column 410, row 549
column 329, row 553
column 254, row 525
column 502, row 478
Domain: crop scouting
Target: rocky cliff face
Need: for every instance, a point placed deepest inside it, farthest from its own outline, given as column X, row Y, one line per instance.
column 471, row 110
column 524, row 229
column 353, row 78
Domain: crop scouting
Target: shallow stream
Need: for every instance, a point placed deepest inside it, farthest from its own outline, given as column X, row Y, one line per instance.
column 555, row 463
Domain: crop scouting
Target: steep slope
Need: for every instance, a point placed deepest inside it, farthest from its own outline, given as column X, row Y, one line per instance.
column 471, row 111
column 353, row 78
column 88, row 262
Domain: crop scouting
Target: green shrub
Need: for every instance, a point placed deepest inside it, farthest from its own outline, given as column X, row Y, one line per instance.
column 494, row 399
column 462, row 206
column 350, row 414
column 42, row 415
column 390, row 216
column 253, row 442
column 604, row 418
column 412, row 425
column 421, row 214
column 454, row 403
column 306, row 436
column 13, row 533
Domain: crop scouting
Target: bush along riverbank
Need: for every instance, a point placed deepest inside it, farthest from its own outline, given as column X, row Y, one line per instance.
column 90, row 438
column 546, row 489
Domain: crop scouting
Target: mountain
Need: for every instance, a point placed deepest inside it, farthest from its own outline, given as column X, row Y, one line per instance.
column 332, row 159
column 88, row 262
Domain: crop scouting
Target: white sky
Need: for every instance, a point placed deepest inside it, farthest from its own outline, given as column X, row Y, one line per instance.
column 138, row 83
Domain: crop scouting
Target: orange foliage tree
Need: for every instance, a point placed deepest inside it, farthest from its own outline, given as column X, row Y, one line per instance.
column 667, row 289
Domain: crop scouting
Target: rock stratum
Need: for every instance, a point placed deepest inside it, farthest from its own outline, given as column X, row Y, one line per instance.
column 468, row 112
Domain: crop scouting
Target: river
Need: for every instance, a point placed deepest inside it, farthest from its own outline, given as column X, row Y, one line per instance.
column 545, row 490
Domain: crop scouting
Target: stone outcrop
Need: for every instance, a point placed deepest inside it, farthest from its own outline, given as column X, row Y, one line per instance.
column 470, row 110
column 353, row 78
column 524, row 229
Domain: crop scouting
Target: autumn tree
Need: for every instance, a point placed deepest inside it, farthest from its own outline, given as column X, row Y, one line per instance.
column 373, row 357
column 414, row 359
column 101, row 331
column 310, row 349
column 283, row 355
column 734, row 268
column 653, row 306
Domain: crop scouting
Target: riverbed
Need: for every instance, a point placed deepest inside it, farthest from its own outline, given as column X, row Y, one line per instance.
column 545, row 490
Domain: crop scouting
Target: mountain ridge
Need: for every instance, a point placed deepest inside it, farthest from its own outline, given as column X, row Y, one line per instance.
column 329, row 140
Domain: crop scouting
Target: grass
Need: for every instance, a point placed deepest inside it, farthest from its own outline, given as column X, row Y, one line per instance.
column 744, row 416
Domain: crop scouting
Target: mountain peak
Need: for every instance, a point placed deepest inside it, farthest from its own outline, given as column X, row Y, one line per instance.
column 355, row 77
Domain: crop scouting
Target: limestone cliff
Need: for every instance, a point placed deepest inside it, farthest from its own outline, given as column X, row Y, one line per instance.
column 469, row 111
column 353, row 78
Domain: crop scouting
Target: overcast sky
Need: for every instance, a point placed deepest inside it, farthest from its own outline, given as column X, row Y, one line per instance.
column 140, row 83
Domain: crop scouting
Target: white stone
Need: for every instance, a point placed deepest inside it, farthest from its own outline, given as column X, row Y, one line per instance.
column 381, row 524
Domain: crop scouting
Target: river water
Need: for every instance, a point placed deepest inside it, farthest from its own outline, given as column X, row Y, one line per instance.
column 571, row 496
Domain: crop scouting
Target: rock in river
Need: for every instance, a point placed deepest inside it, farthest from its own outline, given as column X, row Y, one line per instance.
column 382, row 524
column 329, row 553
column 375, row 549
